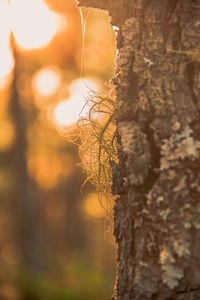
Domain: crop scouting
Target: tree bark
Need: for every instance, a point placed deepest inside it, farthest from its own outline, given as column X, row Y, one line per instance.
column 157, row 89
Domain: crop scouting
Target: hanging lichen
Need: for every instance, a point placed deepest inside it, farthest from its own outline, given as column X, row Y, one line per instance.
column 98, row 144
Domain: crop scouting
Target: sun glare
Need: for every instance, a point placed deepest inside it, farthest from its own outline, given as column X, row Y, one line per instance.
column 68, row 111
column 33, row 23
column 46, row 81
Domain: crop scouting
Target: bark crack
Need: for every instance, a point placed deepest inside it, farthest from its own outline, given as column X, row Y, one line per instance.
column 152, row 176
column 188, row 291
column 190, row 71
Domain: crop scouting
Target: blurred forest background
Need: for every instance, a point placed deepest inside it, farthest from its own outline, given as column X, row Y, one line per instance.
column 53, row 242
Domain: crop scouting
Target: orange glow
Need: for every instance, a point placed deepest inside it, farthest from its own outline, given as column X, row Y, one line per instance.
column 47, row 169
column 10, row 292
column 6, row 58
column 11, row 253
column 33, row 23
column 68, row 111
column 93, row 207
column 7, row 134
column 46, row 81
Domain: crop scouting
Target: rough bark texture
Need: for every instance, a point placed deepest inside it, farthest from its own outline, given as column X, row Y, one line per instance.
column 157, row 216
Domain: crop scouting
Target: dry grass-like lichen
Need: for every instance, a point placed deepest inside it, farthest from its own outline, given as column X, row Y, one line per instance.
column 98, row 143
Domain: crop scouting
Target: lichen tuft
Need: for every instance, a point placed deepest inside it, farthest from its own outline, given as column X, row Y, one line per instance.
column 98, row 143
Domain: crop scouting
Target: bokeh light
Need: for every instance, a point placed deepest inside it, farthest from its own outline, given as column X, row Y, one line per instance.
column 33, row 23
column 45, row 169
column 46, row 81
column 83, row 87
column 41, row 172
column 93, row 207
column 68, row 111
column 7, row 134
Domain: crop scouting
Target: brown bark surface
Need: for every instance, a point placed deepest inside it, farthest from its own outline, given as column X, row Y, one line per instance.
column 157, row 86
column 119, row 10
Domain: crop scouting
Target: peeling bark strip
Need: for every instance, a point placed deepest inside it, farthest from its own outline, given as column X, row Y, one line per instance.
column 157, row 216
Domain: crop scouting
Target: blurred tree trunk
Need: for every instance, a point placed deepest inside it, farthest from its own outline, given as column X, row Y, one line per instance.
column 157, row 89
column 28, row 217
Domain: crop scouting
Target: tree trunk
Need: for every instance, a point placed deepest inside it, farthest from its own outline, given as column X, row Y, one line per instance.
column 28, row 215
column 157, row 89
